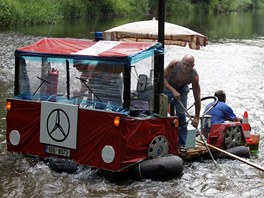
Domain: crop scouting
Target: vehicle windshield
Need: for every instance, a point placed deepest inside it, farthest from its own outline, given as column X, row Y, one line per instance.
column 89, row 84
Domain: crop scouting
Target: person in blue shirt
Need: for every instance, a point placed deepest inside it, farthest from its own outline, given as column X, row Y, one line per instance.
column 221, row 112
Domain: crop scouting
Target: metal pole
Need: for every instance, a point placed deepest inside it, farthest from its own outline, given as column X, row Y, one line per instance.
column 189, row 116
column 159, row 58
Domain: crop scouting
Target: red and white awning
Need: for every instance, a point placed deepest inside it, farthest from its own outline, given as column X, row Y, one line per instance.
column 125, row 52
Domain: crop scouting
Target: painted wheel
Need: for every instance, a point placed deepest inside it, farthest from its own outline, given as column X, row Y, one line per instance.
column 233, row 137
column 158, row 147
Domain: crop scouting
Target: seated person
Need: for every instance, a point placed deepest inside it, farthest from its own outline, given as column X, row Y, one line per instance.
column 107, row 83
column 86, row 74
column 221, row 112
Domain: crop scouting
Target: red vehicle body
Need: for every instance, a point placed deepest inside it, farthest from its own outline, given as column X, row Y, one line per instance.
column 49, row 117
column 84, row 101
column 226, row 135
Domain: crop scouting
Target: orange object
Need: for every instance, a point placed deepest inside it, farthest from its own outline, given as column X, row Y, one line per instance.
column 245, row 125
column 176, row 122
column 117, row 121
column 8, row 106
column 253, row 142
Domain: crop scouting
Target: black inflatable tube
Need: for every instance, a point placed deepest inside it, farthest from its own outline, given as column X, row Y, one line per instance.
column 162, row 168
column 159, row 168
column 62, row 165
column 241, row 151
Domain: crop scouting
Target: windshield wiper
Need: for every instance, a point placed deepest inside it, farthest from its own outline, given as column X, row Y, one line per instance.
column 85, row 83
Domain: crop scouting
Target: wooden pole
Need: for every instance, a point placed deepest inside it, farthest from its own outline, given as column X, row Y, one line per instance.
column 233, row 156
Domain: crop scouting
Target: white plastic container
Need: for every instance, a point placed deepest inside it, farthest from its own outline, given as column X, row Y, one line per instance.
column 191, row 137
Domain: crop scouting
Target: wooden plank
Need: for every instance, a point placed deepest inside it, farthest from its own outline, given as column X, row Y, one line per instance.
column 194, row 152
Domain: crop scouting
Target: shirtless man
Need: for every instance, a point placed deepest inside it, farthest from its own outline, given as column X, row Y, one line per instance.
column 177, row 76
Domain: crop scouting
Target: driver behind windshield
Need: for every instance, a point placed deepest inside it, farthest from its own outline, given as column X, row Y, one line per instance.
column 86, row 74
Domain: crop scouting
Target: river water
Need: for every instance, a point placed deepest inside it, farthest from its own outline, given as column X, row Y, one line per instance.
column 234, row 65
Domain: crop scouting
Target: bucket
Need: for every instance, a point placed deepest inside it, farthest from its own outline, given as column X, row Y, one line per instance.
column 253, row 142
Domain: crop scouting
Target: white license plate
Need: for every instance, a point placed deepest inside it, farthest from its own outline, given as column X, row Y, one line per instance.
column 57, row 151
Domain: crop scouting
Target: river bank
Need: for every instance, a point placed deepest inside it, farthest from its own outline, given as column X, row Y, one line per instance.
column 16, row 13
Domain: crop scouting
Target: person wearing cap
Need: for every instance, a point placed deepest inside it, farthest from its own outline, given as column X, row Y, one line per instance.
column 177, row 76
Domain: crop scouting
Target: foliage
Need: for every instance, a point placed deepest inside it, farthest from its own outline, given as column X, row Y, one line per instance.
column 225, row 6
column 258, row 4
column 5, row 13
column 28, row 12
column 20, row 12
column 140, row 7
column 172, row 7
column 179, row 7
column 74, row 9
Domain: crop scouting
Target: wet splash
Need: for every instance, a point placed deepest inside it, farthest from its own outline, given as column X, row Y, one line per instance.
column 234, row 66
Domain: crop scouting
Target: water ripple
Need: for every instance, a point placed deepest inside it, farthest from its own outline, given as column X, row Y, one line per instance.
column 233, row 65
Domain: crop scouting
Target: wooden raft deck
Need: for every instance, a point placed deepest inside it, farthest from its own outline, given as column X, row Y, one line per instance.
column 195, row 152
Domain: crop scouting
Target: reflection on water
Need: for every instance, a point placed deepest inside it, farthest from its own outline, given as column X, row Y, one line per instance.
column 234, row 66
column 231, row 26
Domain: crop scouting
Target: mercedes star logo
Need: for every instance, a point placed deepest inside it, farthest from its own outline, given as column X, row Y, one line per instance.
column 58, row 125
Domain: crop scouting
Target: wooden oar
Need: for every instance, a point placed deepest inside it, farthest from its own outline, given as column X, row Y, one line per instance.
column 233, row 156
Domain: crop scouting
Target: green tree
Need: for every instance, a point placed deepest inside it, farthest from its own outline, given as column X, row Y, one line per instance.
column 28, row 12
